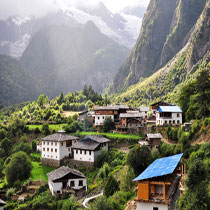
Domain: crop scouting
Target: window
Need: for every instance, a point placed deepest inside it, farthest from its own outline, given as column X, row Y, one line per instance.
column 178, row 121
column 177, row 114
column 98, row 118
column 165, row 122
column 155, row 208
column 69, row 149
column 61, row 143
column 80, row 151
column 89, row 152
column 52, row 143
column 173, row 121
column 58, row 192
column 85, row 152
column 44, row 142
column 145, row 112
column 80, row 182
column 72, row 184
column 43, row 149
column 48, row 149
column 103, row 118
column 51, row 150
column 77, row 151
column 47, row 143
column 55, row 150
column 55, row 143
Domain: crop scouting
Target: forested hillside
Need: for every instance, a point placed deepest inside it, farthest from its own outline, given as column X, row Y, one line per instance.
column 16, row 84
column 184, row 67
column 166, row 28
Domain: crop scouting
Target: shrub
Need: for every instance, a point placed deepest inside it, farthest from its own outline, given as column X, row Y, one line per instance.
column 111, row 186
column 19, row 167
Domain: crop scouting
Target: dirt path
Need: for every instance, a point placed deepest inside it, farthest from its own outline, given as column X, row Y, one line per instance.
column 168, row 141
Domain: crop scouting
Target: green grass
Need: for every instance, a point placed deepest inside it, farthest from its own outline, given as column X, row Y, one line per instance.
column 35, row 154
column 114, row 135
column 53, row 127
column 39, row 172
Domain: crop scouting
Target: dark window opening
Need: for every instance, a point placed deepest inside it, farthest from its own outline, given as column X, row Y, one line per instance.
column 80, row 182
column 72, row 184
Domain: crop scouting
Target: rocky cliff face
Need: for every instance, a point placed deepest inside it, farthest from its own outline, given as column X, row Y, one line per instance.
column 167, row 82
column 166, row 28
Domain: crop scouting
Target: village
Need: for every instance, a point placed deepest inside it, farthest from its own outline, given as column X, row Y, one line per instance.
column 158, row 187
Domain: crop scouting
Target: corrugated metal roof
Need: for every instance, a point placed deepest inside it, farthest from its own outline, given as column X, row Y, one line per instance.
column 154, row 136
column 160, row 167
column 110, row 107
column 169, row 109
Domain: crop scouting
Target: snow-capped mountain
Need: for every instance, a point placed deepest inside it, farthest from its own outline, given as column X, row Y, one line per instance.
column 16, row 32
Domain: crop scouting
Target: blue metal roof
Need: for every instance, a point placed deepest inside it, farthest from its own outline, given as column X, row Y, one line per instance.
column 160, row 167
column 169, row 109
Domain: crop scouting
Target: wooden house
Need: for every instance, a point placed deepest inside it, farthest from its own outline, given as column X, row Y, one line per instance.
column 65, row 179
column 112, row 111
column 158, row 184
column 130, row 121
column 154, row 139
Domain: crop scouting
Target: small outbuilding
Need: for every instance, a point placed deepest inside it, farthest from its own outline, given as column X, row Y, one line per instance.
column 65, row 179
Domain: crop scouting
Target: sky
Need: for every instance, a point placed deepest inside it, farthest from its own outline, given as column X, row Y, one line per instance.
column 41, row 7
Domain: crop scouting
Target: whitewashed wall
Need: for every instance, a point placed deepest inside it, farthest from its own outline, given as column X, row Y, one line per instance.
column 150, row 206
column 175, row 120
column 99, row 119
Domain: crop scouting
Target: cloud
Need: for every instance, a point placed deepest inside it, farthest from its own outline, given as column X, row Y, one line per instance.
column 39, row 8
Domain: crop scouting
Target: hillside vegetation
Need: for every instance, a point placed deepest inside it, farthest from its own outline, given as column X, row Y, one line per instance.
column 158, row 43
column 184, row 67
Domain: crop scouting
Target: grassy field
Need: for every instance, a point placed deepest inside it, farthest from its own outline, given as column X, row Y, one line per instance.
column 114, row 135
column 69, row 113
column 54, row 127
column 39, row 172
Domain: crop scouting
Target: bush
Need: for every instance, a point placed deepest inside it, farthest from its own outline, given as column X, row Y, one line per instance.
column 25, row 147
column 111, row 186
column 19, row 167
column 10, row 193
column 108, row 124
column 45, row 129
column 102, row 157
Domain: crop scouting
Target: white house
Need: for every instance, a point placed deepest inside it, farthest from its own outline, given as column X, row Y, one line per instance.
column 65, row 179
column 56, row 147
column 144, row 111
column 87, row 149
column 168, row 115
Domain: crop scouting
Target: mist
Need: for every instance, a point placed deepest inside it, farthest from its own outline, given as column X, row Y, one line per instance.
column 39, row 8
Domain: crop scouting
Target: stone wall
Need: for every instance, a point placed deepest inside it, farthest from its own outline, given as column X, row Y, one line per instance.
column 51, row 162
column 77, row 163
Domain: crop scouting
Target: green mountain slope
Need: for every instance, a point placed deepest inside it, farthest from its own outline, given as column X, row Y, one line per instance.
column 167, row 82
column 61, row 58
column 165, row 30
column 16, row 84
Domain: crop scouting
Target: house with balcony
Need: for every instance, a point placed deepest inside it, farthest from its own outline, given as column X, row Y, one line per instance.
column 56, row 147
column 66, row 180
column 130, row 121
column 158, row 185
column 168, row 115
column 112, row 111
